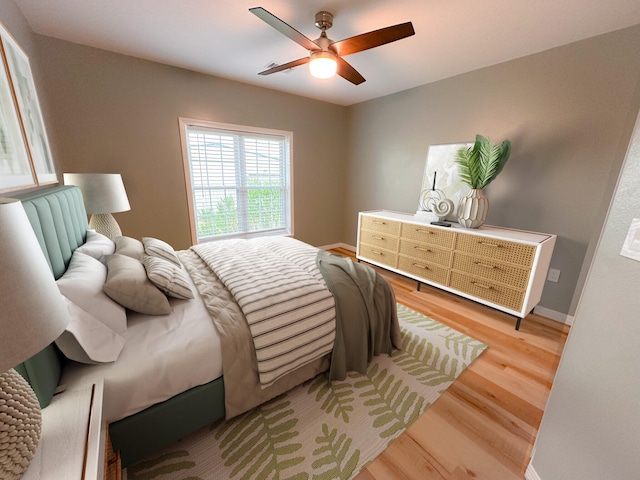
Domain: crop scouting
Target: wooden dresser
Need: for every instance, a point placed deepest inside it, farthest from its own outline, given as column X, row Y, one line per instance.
column 499, row 267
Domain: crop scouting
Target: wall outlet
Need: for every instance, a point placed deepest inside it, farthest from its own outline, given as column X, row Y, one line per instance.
column 553, row 275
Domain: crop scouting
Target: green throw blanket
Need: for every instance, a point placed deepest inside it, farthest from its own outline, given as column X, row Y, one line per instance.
column 366, row 315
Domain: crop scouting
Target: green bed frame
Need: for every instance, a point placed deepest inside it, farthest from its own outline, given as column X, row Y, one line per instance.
column 59, row 220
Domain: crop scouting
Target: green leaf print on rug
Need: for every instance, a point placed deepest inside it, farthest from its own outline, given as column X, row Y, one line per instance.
column 396, row 406
column 336, row 397
column 333, row 453
column 325, row 430
column 261, row 445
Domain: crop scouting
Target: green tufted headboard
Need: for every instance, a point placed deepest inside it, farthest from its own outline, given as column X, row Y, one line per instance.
column 59, row 220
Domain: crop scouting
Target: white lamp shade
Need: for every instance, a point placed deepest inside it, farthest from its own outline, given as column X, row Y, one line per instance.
column 102, row 192
column 33, row 312
column 323, row 65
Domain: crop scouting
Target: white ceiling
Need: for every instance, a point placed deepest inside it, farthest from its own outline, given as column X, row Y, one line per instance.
column 222, row 38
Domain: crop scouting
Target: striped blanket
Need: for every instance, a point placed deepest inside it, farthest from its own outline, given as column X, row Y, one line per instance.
column 276, row 283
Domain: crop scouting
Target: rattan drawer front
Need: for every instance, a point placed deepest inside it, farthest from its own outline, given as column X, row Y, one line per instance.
column 423, row 234
column 378, row 255
column 424, row 270
column 490, row 291
column 381, row 225
column 517, row 277
column 426, row 252
column 376, row 239
column 502, row 250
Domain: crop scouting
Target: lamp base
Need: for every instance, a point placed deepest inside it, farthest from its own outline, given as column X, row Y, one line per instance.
column 20, row 424
column 105, row 224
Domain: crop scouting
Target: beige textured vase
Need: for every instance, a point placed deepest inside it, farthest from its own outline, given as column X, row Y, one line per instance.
column 473, row 208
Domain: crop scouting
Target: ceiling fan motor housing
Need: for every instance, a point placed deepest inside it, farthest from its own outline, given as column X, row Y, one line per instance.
column 324, row 20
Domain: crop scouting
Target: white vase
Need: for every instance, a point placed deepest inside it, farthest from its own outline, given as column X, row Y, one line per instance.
column 473, row 208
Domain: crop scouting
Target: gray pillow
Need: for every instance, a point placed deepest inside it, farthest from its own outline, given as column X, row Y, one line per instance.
column 169, row 278
column 127, row 284
column 130, row 247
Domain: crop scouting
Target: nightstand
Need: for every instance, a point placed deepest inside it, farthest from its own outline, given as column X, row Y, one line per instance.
column 73, row 436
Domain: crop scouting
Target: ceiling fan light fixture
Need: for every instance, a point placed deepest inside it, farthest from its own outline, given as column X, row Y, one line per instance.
column 323, row 64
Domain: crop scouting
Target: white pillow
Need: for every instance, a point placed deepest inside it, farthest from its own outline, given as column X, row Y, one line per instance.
column 98, row 326
column 97, row 246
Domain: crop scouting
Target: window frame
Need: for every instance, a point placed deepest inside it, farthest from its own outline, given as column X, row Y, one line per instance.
column 184, row 123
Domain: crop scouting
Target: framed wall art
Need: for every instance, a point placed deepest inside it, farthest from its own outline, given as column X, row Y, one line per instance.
column 24, row 90
column 441, row 166
column 15, row 166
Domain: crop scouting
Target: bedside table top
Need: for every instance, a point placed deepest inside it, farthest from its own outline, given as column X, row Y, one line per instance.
column 70, row 444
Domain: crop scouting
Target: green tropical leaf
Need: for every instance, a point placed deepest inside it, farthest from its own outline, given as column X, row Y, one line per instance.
column 259, row 444
column 415, row 318
column 481, row 163
column 336, row 397
column 332, row 452
column 396, row 408
column 425, row 362
column 464, row 346
column 160, row 465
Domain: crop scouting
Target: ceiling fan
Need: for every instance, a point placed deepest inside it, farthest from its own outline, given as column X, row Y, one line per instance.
column 325, row 55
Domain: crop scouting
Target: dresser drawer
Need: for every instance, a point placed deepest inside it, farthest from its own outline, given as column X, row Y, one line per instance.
column 502, row 250
column 428, row 271
column 486, row 290
column 508, row 274
column 426, row 252
column 380, row 225
column 377, row 239
column 424, row 234
column 378, row 255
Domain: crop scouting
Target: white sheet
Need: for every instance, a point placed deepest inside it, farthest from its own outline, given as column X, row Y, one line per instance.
column 163, row 356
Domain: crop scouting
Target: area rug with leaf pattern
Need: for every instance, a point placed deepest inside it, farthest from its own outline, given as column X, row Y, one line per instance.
column 321, row 430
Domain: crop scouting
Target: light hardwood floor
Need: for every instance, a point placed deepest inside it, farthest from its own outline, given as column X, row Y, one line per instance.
column 485, row 424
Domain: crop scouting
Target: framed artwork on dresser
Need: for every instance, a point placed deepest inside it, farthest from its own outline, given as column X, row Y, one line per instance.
column 17, row 65
column 441, row 167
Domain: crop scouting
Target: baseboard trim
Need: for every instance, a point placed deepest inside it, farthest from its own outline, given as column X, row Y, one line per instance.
column 531, row 474
column 346, row 246
column 554, row 315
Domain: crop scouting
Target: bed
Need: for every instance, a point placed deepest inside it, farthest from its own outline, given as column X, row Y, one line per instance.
column 168, row 376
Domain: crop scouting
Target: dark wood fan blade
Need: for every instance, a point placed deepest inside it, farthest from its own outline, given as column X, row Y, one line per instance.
column 373, row 39
column 346, row 71
column 286, row 66
column 284, row 28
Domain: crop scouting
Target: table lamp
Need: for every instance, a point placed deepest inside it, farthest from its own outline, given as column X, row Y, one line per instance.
column 33, row 314
column 103, row 194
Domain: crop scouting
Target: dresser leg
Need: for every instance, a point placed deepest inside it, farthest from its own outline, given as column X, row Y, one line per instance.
column 518, row 323
column 419, row 286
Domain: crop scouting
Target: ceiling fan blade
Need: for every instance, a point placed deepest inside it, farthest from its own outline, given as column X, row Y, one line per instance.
column 284, row 28
column 346, row 71
column 286, row 66
column 373, row 39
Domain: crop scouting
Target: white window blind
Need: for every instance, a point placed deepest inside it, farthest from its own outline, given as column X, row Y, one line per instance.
column 240, row 180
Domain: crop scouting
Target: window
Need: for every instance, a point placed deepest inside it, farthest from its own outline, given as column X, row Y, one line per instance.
column 239, row 179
